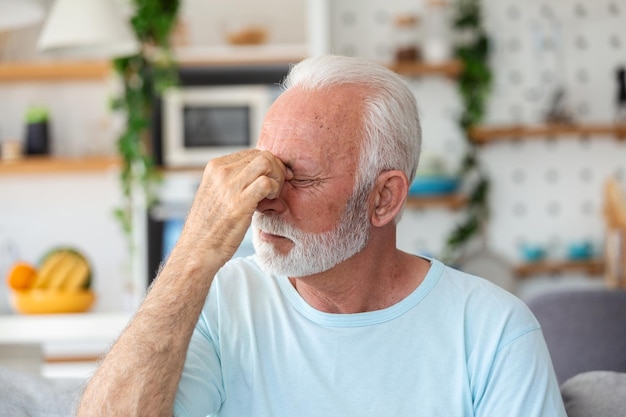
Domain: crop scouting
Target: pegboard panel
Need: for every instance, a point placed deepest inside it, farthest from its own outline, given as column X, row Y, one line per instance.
column 545, row 191
column 548, row 191
column 539, row 46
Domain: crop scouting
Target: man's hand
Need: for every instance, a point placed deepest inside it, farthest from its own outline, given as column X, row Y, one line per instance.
column 231, row 188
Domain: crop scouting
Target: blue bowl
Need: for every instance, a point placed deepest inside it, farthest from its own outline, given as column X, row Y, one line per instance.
column 532, row 253
column 433, row 185
column 579, row 251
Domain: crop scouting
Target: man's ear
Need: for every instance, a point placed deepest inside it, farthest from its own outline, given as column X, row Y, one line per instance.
column 388, row 197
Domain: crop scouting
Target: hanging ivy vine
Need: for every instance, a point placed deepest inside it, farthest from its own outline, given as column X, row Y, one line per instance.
column 474, row 86
column 148, row 72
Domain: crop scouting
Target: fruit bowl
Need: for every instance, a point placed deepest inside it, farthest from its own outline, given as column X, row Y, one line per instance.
column 51, row 301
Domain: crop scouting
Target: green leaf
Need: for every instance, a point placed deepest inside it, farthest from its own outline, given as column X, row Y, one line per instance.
column 474, row 86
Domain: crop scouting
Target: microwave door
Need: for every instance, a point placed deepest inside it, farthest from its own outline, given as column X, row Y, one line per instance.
column 206, row 122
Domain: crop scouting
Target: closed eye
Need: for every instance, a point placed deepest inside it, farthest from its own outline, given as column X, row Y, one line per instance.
column 302, row 182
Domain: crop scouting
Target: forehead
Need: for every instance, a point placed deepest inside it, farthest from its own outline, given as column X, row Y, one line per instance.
column 315, row 127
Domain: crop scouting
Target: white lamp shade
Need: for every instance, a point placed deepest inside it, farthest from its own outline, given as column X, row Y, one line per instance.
column 15, row 14
column 87, row 29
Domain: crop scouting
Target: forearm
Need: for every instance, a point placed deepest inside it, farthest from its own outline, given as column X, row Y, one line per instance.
column 140, row 374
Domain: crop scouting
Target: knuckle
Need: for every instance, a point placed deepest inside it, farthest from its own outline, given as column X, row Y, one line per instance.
column 265, row 184
column 264, row 161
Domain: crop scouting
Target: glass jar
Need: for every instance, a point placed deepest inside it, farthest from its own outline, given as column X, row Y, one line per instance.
column 407, row 34
column 437, row 45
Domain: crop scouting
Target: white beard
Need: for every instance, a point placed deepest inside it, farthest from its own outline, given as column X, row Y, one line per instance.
column 312, row 253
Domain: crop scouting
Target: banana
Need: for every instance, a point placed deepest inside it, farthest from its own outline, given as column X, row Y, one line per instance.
column 44, row 274
column 63, row 269
column 60, row 274
column 78, row 276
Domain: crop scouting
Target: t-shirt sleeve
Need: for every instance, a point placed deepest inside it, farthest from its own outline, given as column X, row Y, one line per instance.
column 521, row 382
column 200, row 391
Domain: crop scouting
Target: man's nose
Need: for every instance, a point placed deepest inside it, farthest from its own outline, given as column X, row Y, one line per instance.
column 273, row 205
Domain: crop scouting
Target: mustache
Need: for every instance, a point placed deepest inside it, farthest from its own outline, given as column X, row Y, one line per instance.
column 275, row 226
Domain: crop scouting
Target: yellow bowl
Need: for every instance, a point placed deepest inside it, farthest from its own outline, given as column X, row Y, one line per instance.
column 41, row 301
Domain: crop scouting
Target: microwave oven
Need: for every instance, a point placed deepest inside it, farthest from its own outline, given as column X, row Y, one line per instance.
column 204, row 122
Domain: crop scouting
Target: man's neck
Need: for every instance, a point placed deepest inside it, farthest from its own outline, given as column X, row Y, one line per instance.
column 370, row 280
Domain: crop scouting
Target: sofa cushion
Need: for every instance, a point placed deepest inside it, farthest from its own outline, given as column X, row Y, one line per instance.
column 595, row 394
column 23, row 394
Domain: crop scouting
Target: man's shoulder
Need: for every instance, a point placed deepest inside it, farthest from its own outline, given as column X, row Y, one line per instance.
column 486, row 300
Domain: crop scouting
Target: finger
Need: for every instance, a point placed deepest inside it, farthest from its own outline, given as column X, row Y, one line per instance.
column 261, row 188
column 277, row 168
column 267, row 165
column 233, row 158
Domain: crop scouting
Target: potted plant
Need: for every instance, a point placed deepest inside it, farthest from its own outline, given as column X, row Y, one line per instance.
column 474, row 88
column 143, row 75
column 37, row 141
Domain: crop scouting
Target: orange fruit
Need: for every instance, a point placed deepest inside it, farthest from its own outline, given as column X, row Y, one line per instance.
column 21, row 276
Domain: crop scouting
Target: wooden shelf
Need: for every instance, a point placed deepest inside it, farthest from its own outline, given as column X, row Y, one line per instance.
column 487, row 134
column 240, row 55
column 45, row 165
column 53, row 71
column 65, row 70
column 450, row 201
column 592, row 267
column 419, row 68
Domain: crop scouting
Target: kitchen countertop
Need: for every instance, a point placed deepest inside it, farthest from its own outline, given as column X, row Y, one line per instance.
column 61, row 328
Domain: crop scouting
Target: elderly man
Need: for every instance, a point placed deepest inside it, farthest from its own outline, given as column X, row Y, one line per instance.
column 328, row 318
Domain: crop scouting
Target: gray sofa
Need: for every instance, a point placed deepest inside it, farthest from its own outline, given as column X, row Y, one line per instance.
column 590, row 394
column 595, row 394
column 585, row 330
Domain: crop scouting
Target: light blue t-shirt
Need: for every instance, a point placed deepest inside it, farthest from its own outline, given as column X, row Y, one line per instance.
column 456, row 346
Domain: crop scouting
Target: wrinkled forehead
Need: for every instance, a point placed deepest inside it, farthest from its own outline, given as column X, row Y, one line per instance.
column 323, row 124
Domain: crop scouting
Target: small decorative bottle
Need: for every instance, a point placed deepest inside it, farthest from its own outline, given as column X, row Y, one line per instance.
column 437, row 45
column 407, row 43
column 620, row 110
